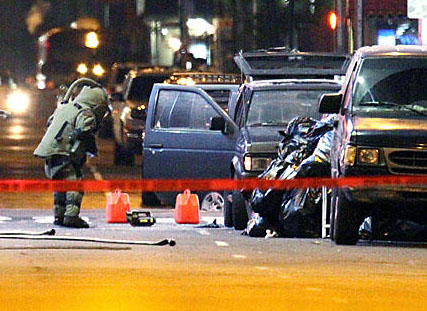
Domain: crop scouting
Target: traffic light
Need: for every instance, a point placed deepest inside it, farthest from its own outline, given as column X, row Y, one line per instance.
column 332, row 20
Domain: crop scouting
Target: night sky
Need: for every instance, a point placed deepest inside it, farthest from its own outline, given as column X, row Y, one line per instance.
column 17, row 46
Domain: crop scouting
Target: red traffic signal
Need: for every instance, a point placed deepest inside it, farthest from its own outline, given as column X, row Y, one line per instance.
column 332, row 20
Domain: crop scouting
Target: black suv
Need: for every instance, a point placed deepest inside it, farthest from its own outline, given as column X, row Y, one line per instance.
column 282, row 85
column 381, row 129
column 264, row 108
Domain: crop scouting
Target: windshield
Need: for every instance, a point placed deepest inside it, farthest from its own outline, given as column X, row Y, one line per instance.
column 142, row 85
column 391, row 87
column 278, row 107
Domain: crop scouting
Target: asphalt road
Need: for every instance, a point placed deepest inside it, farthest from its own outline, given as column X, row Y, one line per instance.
column 207, row 269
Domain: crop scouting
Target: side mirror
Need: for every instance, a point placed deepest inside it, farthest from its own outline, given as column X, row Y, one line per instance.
column 330, row 103
column 217, row 124
column 116, row 97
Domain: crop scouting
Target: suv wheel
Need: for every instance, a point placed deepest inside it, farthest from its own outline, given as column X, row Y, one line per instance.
column 122, row 156
column 239, row 211
column 347, row 220
column 213, row 201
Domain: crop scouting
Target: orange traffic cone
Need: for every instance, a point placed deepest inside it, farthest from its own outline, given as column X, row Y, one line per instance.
column 187, row 208
column 117, row 206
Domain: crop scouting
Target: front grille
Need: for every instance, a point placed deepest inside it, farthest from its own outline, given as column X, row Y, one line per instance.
column 404, row 161
column 409, row 158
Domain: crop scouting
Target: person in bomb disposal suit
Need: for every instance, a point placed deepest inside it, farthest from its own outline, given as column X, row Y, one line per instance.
column 69, row 139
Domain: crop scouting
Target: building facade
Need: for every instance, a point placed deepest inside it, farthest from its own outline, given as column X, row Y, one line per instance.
column 385, row 22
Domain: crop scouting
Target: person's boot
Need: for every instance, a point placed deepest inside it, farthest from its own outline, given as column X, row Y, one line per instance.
column 75, row 222
column 59, row 221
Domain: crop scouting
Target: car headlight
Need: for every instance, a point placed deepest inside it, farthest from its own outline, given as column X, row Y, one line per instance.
column 252, row 163
column 18, row 101
column 350, row 155
column 98, row 70
column 82, row 68
column 367, row 156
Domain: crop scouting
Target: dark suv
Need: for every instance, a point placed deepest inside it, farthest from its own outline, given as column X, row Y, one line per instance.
column 282, row 85
column 381, row 129
column 264, row 108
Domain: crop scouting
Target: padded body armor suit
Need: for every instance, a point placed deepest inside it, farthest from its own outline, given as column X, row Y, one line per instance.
column 70, row 135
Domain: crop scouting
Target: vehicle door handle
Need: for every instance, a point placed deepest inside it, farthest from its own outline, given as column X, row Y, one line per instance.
column 158, row 146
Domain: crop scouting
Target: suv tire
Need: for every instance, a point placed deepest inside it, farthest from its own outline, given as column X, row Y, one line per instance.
column 347, row 220
column 240, row 214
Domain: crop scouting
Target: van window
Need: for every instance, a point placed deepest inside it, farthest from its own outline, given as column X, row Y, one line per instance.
column 183, row 110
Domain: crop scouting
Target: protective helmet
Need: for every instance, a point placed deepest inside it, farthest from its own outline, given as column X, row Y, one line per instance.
column 97, row 100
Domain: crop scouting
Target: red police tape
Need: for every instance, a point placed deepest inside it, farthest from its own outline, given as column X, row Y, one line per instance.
column 13, row 185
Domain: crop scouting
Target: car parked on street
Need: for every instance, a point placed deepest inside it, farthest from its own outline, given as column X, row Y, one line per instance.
column 118, row 73
column 129, row 111
column 263, row 108
column 380, row 130
column 183, row 139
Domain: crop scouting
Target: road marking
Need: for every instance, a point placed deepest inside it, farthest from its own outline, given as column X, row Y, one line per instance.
column 239, row 256
column 43, row 219
column 221, row 243
column 170, row 220
column 165, row 220
column 261, row 268
column 3, row 219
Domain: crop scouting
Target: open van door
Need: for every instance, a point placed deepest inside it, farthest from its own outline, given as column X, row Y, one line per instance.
column 180, row 142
